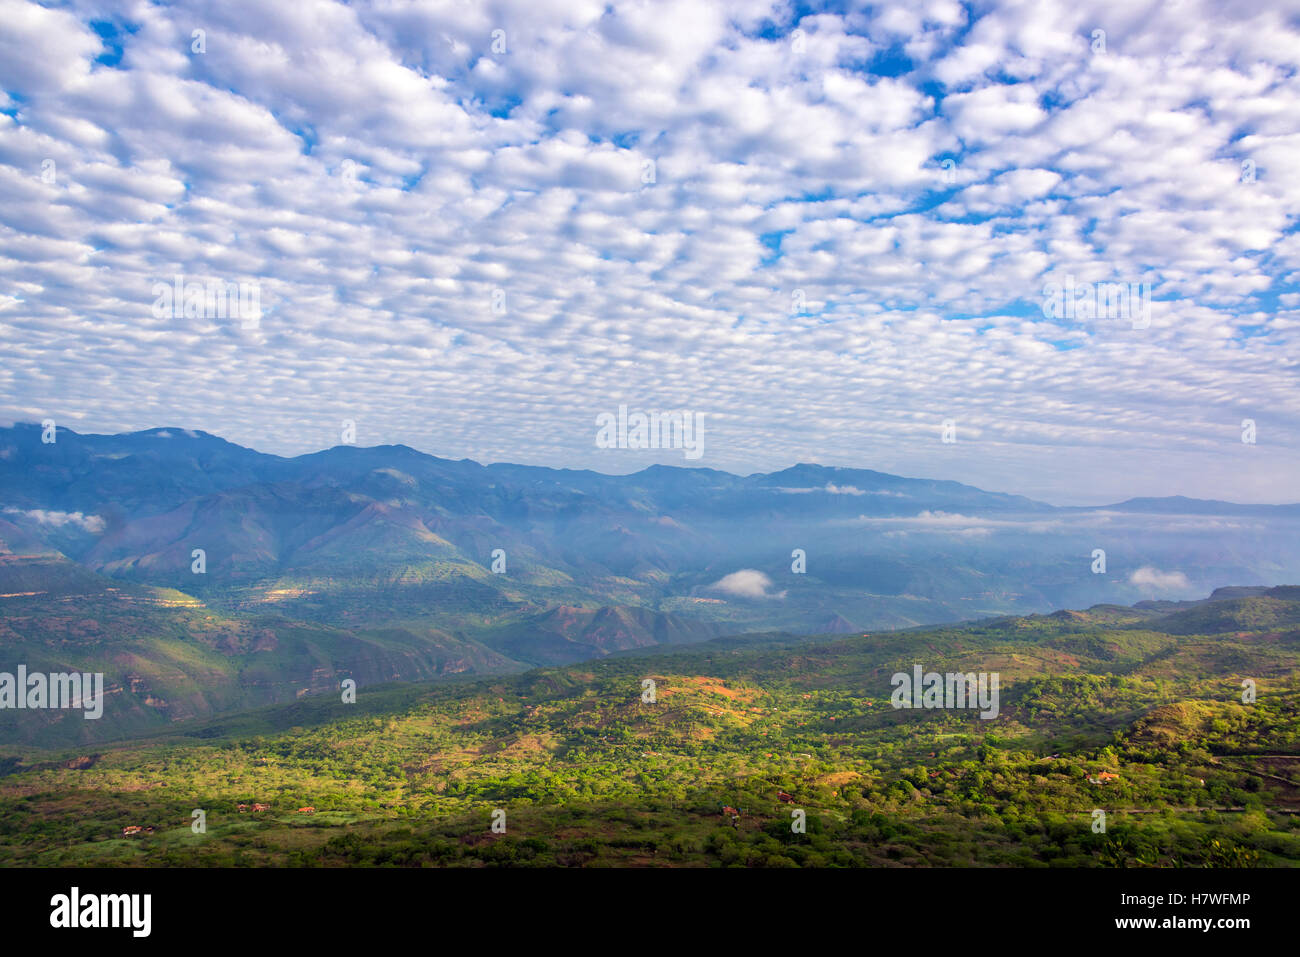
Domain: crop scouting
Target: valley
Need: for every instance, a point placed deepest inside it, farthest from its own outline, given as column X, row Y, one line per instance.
column 202, row 577
column 678, row 666
column 1136, row 712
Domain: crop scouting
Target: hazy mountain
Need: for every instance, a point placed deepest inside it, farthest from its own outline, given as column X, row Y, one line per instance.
column 566, row 634
column 137, row 505
column 155, row 555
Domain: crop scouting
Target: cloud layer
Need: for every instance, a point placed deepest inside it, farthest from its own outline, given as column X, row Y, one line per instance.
column 475, row 227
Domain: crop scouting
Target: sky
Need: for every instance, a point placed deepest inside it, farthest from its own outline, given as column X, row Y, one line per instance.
column 825, row 232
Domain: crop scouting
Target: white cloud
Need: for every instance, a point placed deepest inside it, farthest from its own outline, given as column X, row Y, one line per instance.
column 830, row 488
column 90, row 523
column 967, row 526
column 1156, row 580
column 746, row 583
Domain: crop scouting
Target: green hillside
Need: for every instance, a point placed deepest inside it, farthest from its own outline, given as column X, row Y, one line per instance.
column 167, row 656
column 1099, row 710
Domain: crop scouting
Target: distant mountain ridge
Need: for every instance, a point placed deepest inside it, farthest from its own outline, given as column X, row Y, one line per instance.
column 132, row 550
column 137, row 505
column 198, row 462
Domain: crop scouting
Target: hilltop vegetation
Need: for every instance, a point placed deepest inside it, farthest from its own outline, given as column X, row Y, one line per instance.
column 1100, row 710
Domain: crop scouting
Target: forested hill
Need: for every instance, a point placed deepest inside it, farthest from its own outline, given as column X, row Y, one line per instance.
column 1187, row 740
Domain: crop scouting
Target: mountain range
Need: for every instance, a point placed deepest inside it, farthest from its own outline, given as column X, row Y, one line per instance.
column 202, row 576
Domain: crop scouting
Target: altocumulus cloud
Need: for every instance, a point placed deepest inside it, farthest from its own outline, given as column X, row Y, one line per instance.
column 473, row 226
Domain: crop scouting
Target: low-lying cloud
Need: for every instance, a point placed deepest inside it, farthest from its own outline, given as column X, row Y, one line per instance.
column 90, row 523
column 746, row 583
column 1154, row 579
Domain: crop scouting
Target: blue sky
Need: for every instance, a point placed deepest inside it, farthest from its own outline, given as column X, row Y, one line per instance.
column 477, row 227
